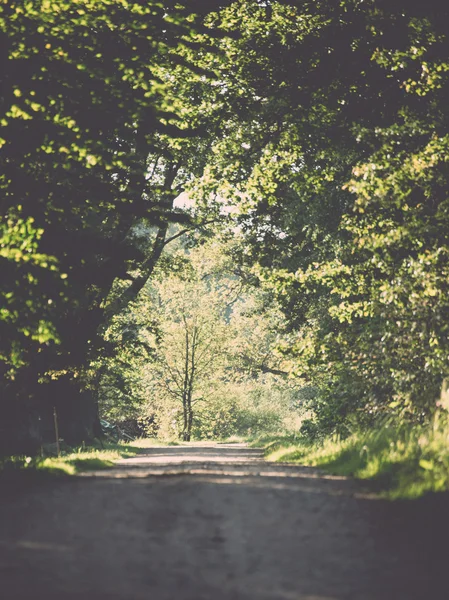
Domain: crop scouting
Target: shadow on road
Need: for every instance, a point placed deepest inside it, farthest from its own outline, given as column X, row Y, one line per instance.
column 219, row 524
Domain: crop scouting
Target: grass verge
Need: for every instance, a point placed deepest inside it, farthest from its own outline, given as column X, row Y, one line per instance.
column 404, row 461
column 71, row 461
column 74, row 460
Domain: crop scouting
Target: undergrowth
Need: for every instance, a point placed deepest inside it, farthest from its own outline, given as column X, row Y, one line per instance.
column 406, row 461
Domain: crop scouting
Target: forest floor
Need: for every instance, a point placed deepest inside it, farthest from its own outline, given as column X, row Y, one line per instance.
column 215, row 522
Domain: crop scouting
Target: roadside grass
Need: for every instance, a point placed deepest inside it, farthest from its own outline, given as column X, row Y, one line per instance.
column 70, row 462
column 404, row 461
column 101, row 455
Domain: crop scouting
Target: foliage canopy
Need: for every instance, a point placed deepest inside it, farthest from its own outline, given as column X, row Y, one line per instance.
column 314, row 135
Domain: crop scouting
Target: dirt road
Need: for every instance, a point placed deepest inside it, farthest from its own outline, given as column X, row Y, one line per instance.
column 214, row 523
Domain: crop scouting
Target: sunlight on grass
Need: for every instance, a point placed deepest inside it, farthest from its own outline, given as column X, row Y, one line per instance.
column 73, row 461
column 405, row 461
column 69, row 463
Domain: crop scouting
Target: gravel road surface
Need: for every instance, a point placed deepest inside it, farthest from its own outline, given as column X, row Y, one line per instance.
column 216, row 522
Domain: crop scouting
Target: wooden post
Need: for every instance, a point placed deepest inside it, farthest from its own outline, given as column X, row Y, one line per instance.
column 56, row 430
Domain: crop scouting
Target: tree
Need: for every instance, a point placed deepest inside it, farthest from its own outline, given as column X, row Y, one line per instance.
column 318, row 128
column 337, row 171
column 198, row 351
column 85, row 102
column 192, row 347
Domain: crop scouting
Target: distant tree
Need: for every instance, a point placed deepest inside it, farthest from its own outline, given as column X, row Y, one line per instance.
column 196, row 349
column 190, row 354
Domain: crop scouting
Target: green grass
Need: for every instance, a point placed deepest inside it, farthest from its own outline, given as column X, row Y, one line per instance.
column 404, row 461
column 74, row 460
column 70, row 462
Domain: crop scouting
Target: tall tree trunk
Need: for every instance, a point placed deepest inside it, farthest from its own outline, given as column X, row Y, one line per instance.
column 20, row 423
column 185, row 437
column 78, row 408
column 190, row 381
column 185, row 390
column 146, row 270
column 190, row 420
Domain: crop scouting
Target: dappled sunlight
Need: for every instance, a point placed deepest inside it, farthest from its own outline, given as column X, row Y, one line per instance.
column 224, row 220
column 301, row 482
column 221, row 465
column 205, row 452
column 245, row 529
column 33, row 545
